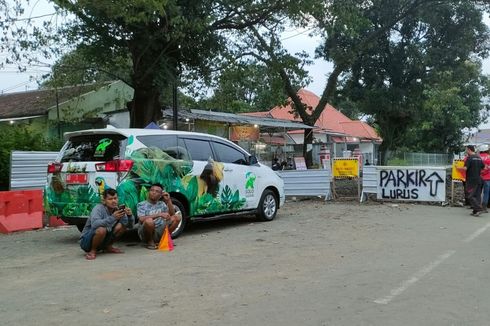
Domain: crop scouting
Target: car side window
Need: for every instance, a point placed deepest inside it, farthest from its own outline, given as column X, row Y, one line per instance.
column 198, row 149
column 228, row 154
column 167, row 143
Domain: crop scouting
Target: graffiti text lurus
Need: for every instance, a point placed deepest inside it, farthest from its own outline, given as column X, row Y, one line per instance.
column 399, row 193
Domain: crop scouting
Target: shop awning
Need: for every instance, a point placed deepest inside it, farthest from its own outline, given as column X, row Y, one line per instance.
column 273, row 140
column 265, row 124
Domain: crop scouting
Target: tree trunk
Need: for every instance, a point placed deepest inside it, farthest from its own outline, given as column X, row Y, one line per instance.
column 145, row 107
column 383, row 152
column 308, row 155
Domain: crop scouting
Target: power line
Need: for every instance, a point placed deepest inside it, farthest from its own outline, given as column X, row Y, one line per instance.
column 13, row 20
column 298, row 34
column 15, row 86
column 23, row 72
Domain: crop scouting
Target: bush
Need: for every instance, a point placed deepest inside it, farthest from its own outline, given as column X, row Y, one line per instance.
column 22, row 139
column 397, row 162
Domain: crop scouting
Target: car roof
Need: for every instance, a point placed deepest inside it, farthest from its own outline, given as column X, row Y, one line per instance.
column 135, row 132
column 141, row 132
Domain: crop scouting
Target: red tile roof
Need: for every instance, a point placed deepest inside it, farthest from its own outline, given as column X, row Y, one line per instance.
column 330, row 119
column 360, row 129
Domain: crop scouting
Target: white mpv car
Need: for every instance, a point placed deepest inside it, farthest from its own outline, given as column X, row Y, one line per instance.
column 205, row 175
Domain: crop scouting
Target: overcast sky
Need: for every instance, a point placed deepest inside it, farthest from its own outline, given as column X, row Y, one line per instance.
column 13, row 81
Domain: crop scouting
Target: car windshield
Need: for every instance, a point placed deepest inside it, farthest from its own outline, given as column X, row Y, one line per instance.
column 93, row 148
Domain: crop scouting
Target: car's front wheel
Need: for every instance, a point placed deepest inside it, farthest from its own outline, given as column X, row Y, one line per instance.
column 267, row 209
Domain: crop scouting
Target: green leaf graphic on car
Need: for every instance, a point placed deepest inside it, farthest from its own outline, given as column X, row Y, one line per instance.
column 151, row 165
column 250, row 183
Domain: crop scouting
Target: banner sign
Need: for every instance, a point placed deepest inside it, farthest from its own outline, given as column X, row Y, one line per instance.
column 238, row 133
column 412, row 183
column 345, row 167
column 300, row 163
column 456, row 173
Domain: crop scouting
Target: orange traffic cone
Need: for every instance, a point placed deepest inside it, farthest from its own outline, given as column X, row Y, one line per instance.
column 166, row 243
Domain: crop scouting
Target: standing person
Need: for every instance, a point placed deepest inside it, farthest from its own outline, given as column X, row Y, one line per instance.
column 275, row 164
column 107, row 223
column 473, row 166
column 485, row 175
column 154, row 215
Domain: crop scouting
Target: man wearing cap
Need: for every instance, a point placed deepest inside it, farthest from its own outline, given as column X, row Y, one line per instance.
column 473, row 166
column 485, row 175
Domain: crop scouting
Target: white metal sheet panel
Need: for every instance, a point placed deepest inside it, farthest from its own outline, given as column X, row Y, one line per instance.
column 28, row 170
column 307, row 182
column 369, row 180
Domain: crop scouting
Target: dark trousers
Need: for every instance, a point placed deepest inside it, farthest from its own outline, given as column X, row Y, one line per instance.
column 473, row 193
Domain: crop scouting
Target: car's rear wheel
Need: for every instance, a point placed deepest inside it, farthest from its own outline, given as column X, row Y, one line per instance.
column 180, row 209
column 267, row 209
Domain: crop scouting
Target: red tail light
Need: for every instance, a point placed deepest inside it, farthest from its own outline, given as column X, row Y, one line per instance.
column 54, row 167
column 114, row 166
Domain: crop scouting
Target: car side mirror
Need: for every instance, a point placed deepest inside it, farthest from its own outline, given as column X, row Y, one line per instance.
column 252, row 160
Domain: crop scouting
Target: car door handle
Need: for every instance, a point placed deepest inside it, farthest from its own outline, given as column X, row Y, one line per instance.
column 228, row 170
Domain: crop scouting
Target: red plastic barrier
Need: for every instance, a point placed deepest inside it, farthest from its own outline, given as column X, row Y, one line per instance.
column 54, row 221
column 21, row 210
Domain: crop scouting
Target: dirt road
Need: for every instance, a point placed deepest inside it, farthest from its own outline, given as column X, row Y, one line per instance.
column 317, row 264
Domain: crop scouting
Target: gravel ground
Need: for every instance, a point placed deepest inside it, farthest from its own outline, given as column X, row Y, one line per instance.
column 318, row 263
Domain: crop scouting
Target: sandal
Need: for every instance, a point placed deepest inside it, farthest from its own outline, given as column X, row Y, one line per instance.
column 151, row 247
column 113, row 250
column 90, row 256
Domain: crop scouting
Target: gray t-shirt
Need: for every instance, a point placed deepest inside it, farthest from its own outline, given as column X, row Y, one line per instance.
column 145, row 208
column 100, row 216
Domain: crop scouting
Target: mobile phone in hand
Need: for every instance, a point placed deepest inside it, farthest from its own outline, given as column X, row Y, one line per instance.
column 122, row 207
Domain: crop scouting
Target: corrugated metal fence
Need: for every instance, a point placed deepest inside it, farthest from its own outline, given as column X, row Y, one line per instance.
column 417, row 159
column 369, row 181
column 307, row 182
column 28, row 170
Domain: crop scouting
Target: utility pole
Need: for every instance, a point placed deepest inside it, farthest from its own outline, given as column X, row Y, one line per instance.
column 174, row 107
column 58, row 110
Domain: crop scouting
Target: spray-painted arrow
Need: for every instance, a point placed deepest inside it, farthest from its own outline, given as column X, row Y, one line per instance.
column 434, row 180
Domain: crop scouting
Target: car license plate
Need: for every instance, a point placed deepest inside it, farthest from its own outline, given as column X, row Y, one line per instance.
column 77, row 178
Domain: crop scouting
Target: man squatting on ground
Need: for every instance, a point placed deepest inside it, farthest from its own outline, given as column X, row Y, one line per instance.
column 473, row 166
column 107, row 222
column 154, row 215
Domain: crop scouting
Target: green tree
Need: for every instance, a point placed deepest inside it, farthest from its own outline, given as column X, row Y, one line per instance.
column 163, row 39
column 350, row 29
column 451, row 102
column 421, row 82
column 245, row 87
column 78, row 67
